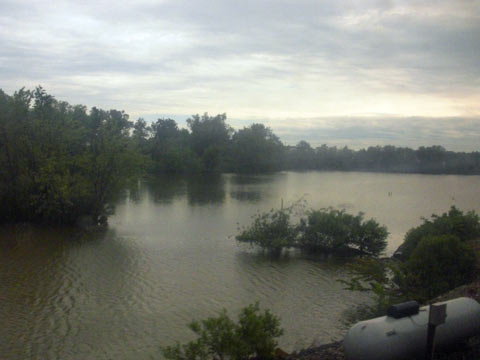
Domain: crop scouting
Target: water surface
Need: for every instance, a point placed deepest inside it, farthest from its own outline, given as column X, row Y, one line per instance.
column 169, row 256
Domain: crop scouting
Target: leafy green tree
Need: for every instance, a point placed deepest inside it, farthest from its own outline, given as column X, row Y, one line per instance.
column 170, row 149
column 256, row 149
column 301, row 157
column 368, row 236
column 210, row 137
column 110, row 160
column 220, row 337
column 209, row 131
column 60, row 162
column 141, row 135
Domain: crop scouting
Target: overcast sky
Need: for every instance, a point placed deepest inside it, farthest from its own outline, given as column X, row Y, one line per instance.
column 354, row 73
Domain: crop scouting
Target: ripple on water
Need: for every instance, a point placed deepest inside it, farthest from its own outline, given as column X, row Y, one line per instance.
column 123, row 293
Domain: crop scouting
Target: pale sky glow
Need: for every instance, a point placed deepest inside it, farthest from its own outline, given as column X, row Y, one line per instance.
column 354, row 73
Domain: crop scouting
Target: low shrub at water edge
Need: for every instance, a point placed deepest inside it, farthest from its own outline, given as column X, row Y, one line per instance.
column 454, row 222
column 438, row 264
column 222, row 338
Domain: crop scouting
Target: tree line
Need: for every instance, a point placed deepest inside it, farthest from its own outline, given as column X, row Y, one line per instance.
column 61, row 162
column 210, row 144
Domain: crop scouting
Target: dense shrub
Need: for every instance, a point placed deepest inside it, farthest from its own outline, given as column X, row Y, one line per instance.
column 454, row 222
column 270, row 231
column 59, row 162
column 330, row 230
column 438, row 264
column 220, row 337
column 325, row 230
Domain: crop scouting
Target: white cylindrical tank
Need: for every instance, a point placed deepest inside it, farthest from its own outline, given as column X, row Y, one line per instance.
column 387, row 338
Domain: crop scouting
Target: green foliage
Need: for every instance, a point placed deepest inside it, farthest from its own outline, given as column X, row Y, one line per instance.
column 256, row 149
column 211, row 145
column 325, row 230
column 440, row 263
column 170, row 149
column 209, row 138
column 330, row 230
column 271, row 231
column 220, row 337
column 454, row 222
column 386, row 280
column 430, row 160
column 59, row 162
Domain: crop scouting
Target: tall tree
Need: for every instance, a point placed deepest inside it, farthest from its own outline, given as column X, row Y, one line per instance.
column 256, row 149
column 210, row 136
column 60, row 162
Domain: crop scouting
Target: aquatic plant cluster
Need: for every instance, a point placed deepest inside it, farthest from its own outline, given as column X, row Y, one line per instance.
column 319, row 231
column 438, row 260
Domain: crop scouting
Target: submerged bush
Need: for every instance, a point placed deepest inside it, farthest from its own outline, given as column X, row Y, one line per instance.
column 330, row 230
column 325, row 230
column 220, row 337
column 270, row 231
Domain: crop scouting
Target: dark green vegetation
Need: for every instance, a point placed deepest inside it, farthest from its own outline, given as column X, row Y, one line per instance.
column 210, row 144
column 61, row 162
column 424, row 160
column 322, row 231
column 254, row 334
column 440, row 258
column 271, row 231
column 58, row 161
column 455, row 222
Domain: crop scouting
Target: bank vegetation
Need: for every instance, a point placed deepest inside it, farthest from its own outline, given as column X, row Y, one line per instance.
column 63, row 162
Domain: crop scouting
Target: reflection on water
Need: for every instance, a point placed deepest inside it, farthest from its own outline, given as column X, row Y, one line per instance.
column 243, row 195
column 252, row 179
column 169, row 256
column 161, row 189
column 206, row 189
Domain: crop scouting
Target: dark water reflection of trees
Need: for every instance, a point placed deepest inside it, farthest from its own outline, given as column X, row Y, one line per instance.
column 200, row 189
column 206, row 189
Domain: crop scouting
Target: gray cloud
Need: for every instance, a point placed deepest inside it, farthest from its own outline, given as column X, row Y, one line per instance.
column 254, row 59
column 458, row 134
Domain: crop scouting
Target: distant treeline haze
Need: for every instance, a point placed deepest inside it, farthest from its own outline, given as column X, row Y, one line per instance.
column 210, row 144
column 60, row 162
